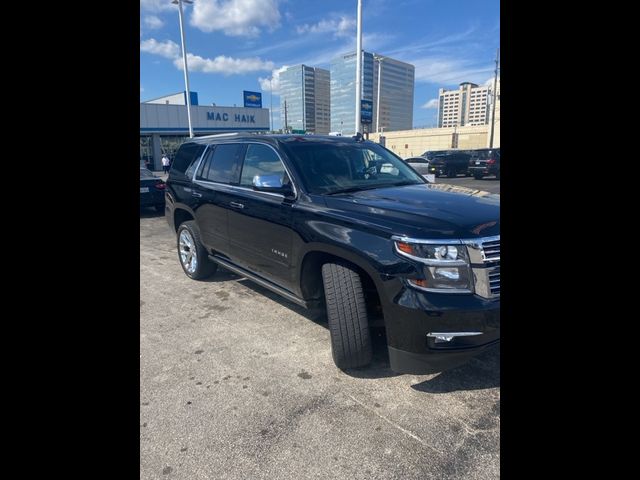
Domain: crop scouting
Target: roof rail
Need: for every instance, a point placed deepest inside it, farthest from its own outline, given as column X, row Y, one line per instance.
column 231, row 134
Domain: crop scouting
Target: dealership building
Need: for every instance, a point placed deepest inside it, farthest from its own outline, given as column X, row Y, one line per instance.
column 164, row 125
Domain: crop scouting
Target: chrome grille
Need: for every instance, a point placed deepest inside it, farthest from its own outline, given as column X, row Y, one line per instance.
column 494, row 281
column 491, row 251
column 484, row 254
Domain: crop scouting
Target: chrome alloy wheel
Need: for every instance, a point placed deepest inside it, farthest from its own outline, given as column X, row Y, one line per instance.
column 188, row 255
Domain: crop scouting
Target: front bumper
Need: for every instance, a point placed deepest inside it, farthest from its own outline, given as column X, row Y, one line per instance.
column 413, row 315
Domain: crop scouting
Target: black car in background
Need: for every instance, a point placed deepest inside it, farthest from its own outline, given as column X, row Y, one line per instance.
column 151, row 190
column 485, row 161
column 450, row 163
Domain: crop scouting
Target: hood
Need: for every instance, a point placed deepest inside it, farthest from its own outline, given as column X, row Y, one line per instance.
column 427, row 211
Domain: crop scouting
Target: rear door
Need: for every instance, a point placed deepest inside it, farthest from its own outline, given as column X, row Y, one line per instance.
column 260, row 234
column 218, row 171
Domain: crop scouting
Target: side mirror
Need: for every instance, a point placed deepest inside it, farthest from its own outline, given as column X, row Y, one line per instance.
column 272, row 184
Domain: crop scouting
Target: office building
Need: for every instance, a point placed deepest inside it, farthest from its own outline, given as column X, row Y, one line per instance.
column 306, row 91
column 468, row 105
column 396, row 92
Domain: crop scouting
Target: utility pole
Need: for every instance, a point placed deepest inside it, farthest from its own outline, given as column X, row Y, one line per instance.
column 495, row 97
column 359, row 68
column 286, row 123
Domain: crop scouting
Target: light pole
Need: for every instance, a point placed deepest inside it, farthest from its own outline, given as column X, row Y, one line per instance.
column 379, row 59
column 184, row 62
column 495, row 96
column 358, row 67
column 271, row 100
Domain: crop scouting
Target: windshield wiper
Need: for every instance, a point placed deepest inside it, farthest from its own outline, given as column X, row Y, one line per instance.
column 372, row 187
column 354, row 189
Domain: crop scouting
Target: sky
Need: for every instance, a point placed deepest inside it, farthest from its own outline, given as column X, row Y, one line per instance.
column 236, row 45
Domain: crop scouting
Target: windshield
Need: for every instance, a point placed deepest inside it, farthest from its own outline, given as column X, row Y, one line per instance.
column 328, row 168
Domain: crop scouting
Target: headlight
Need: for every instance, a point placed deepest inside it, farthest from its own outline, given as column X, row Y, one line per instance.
column 446, row 267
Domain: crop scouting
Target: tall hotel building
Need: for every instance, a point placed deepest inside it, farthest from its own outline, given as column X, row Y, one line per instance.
column 468, row 105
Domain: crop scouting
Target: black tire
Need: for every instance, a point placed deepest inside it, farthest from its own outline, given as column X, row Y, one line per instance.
column 452, row 173
column 159, row 208
column 347, row 315
column 477, row 176
column 498, row 175
column 204, row 267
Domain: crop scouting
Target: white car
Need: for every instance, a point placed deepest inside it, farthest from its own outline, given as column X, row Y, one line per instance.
column 421, row 165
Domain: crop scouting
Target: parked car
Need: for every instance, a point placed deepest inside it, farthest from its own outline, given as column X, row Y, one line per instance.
column 450, row 163
column 152, row 190
column 421, row 165
column 485, row 161
column 344, row 224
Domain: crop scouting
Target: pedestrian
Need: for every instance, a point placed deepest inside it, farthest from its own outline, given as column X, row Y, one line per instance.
column 165, row 163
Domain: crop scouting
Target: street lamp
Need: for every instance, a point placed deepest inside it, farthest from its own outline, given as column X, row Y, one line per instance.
column 358, row 67
column 271, row 100
column 184, row 62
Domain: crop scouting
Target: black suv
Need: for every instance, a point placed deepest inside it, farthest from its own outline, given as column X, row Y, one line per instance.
column 344, row 224
column 450, row 163
column 485, row 161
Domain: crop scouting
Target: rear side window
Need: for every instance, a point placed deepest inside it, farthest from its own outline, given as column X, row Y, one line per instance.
column 260, row 160
column 186, row 155
column 223, row 165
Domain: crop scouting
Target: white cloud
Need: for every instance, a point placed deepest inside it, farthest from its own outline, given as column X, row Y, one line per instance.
column 340, row 26
column 225, row 65
column 196, row 63
column 489, row 82
column 449, row 71
column 166, row 49
column 433, row 103
column 157, row 5
column 236, row 17
column 153, row 22
column 265, row 85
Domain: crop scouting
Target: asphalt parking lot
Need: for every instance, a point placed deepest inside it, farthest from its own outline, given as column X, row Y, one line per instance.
column 237, row 383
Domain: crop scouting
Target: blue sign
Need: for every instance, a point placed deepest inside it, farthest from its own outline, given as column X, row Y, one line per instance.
column 252, row 99
column 366, row 111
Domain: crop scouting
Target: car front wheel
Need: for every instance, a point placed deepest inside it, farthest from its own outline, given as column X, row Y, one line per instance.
column 347, row 315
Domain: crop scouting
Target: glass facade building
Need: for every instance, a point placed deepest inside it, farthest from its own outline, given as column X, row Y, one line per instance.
column 306, row 92
column 396, row 92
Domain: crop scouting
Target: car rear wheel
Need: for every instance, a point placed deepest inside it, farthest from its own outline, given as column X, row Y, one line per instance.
column 498, row 175
column 347, row 315
column 452, row 173
column 477, row 176
column 192, row 255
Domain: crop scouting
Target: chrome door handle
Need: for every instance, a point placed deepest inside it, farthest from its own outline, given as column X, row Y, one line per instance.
column 236, row 205
column 196, row 194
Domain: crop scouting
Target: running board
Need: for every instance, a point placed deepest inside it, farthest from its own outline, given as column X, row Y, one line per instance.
column 261, row 281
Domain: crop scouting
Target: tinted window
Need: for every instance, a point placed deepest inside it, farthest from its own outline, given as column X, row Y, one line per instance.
column 334, row 167
column 260, row 160
column 223, row 165
column 187, row 153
